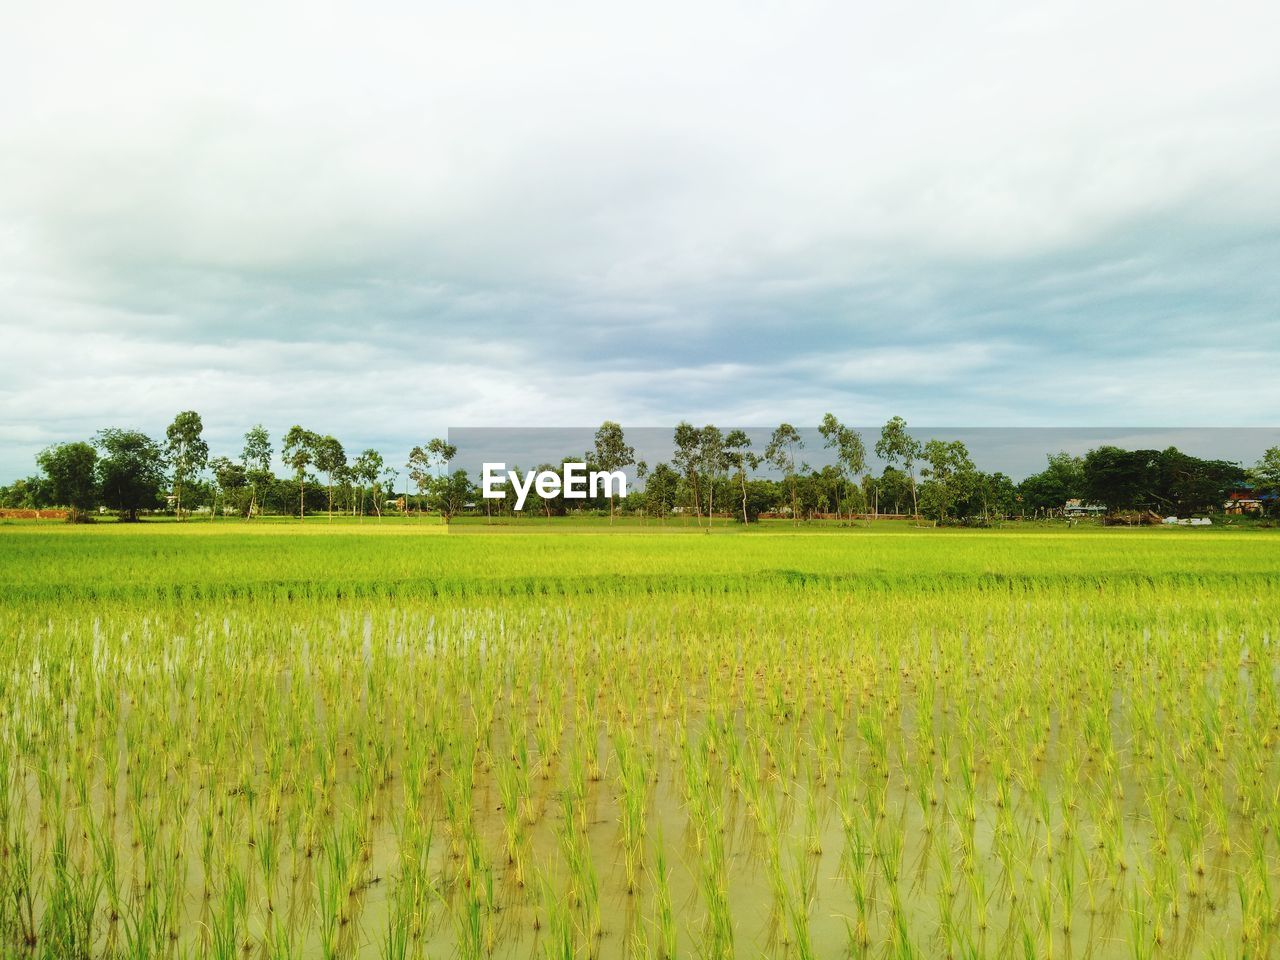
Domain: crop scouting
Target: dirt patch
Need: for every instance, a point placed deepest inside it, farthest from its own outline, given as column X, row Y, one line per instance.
column 6, row 514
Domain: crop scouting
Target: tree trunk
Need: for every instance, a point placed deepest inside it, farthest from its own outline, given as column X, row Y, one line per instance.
column 744, row 498
column 302, row 500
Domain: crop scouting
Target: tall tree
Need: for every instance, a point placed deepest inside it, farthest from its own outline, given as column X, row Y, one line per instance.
column 427, row 464
column 611, row 452
column 449, row 493
column 186, row 450
column 688, row 440
column 781, row 452
column 642, row 474
column 69, row 472
column 256, row 459
column 344, row 479
column 1166, row 480
column 131, row 471
column 389, row 476
column 1266, row 475
column 299, row 452
column 712, row 463
column 660, row 490
column 366, row 469
column 229, row 480
column 1187, row 484
column 851, row 452
column 995, row 494
column 896, row 446
column 738, row 455
column 330, row 460
column 951, row 475
column 1120, row 479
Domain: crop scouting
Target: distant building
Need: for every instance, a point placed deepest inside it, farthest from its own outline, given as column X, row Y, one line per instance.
column 1076, row 507
column 1243, row 501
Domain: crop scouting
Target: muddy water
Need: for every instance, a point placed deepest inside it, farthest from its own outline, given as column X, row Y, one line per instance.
column 210, row 799
column 811, row 849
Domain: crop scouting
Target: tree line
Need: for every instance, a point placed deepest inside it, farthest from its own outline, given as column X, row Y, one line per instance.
column 130, row 473
column 711, row 473
column 934, row 479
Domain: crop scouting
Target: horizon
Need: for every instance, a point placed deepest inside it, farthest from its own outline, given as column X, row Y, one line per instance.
column 1017, row 452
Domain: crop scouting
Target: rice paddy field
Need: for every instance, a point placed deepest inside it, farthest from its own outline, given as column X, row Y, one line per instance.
column 347, row 740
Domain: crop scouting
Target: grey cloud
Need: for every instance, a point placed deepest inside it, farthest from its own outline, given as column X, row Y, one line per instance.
column 384, row 223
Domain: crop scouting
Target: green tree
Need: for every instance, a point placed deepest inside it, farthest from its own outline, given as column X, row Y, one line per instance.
column 635, row 500
column 131, row 471
column 851, row 452
column 551, row 505
column 993, row 494
column 426, row 465
column 1060, row 481
column 331, row 460
column 256, row 460
column 1187, row 484
column 896, row 446
column 69, row 472
column 688, row 441
column 951, row 476
column 450, row 494
column 230, row 480
column 1119, row 479
column 187, row 452
column 781, row 452
column 892, row 488
column 299, row 452
column 27, row 493
column 389, row 477
column 366, row 470
column 738, row 455
column 611, row 452
column 660, row 490
column 712, row 463
column 1266, row 475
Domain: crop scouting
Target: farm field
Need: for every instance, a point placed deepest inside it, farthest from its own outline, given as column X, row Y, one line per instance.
column 363, row 740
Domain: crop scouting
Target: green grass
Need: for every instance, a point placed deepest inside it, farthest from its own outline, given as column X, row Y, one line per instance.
column 391, row 740
column 147, row 563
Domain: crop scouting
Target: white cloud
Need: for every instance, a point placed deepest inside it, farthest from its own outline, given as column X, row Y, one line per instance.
column 513, row 212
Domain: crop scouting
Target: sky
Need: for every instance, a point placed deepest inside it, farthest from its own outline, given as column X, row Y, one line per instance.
column 383, row 221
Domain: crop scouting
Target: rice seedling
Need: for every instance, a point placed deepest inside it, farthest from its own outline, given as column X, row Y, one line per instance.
column 969, row 745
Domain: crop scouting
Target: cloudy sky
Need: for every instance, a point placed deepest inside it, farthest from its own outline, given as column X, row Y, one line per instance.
column 385, row 220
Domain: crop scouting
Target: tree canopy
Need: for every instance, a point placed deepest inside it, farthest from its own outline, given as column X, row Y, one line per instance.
column 70, row 469
column 131, row 471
